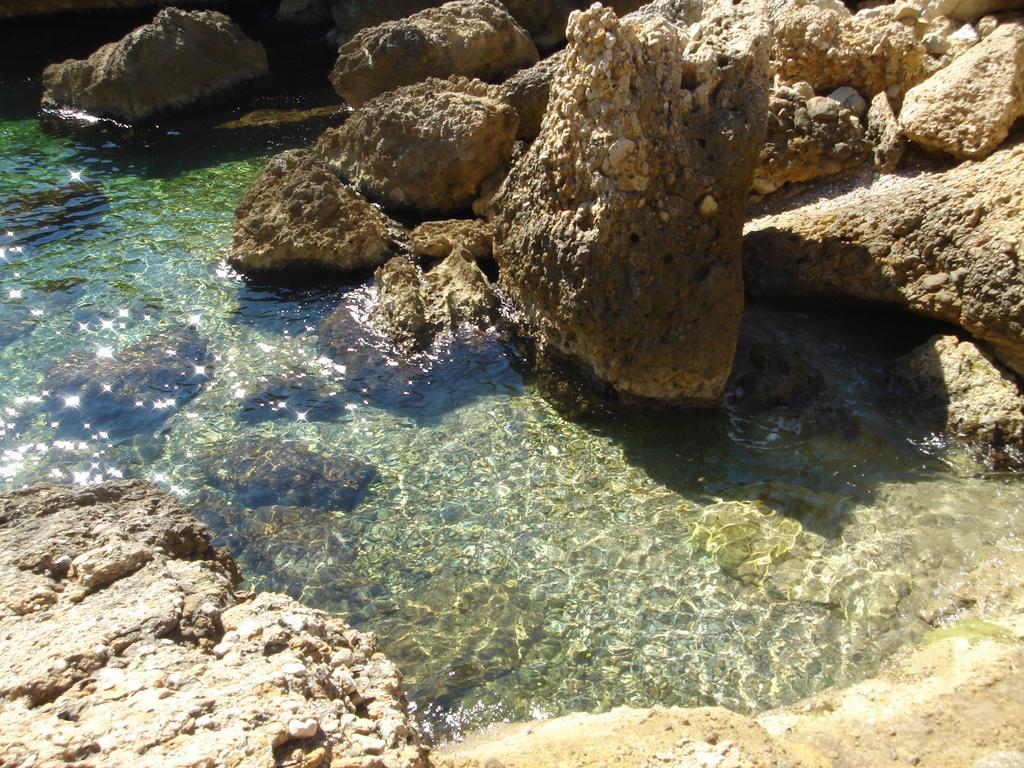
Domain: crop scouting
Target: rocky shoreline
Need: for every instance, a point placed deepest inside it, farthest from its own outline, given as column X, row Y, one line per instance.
column 613, row 185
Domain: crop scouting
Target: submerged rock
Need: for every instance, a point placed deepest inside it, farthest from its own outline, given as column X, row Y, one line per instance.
column 126, row 643
column 429, row 147
column 807, row 139
column 179, row 58
column 261, row 472
column 942, row 244
column 967, row 109
column 958, row 390
column 617, row 233
column 471, row 38
column 134, row 389
column 437, row 239
column 296, row 396
column 298, row 215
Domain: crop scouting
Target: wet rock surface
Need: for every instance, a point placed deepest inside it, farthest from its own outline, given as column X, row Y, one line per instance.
column 134, row 389
column 298, row 215
column 807, row 138
column 960, row 391
column 429, row 147
column 590, row 222
column 173, row 62
column 471, row 38
column 127, row 644
column 967, row 109
column 942, row 244
column 261, row 472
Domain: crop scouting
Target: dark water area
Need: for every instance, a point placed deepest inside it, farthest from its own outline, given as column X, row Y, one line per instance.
column 519, row 555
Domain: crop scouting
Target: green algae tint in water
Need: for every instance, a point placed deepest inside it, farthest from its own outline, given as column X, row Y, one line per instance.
column 515, row 563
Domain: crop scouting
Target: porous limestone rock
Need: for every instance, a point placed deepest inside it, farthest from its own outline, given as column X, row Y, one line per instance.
column 473, row 38
column 617, row 233
column 298, row 215
column 944, row 244
column 807, row 139
column 967, row 109
column 437, row 239
column 959, row 390
column 528, row 91
column 412, row 308
column 888, row 142
column 430, row 146
column 125, row 643
column 179, row 58
column 824, row 44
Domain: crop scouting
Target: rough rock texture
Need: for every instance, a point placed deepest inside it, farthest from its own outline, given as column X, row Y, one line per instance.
column 350, row 16
column 967, row 109
column 888, row 142
column 437, row 239
column 955, row 387
column 412, row 309
column 473, row 38
column 617, row 233
column 125, row 644
column 528, row 91
column 174, row 61
column 942, row 244
column 430, row 146
column 824, row 44
column 807, row 138
column 299, row 215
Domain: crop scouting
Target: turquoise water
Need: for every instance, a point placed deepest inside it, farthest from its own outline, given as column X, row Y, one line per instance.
column 515, row 562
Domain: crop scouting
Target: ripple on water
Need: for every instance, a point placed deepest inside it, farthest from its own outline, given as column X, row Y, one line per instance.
column 515, row 562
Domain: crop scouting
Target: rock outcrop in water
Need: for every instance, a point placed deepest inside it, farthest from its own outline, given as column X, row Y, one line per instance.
column 944, row 244
column 125, row 643
column 617, row 234
column 958, row 390
column 470, row 38
column 299, row 216
column 173, row 62
column 134, row 389
column 430, row 147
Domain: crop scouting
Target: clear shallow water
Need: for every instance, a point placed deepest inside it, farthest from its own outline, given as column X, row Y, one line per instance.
column 516, row 563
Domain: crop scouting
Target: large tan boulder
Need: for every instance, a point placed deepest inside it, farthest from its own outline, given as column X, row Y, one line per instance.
column 126, row 643
column 617, row 233
column 822, row 43
column 967, row 109
column 961, row 392
column 173, row 62
column 807, row 139
column 474, row 38
column 944, row 244
column 429, row 147
column 298, row 215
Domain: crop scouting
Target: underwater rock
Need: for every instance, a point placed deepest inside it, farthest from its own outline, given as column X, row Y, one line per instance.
column 437, row 239
column 471, row 38
column 958, row 390
column 125, row 643
column 821, row 42
column 293, row 396
column 942, row 244
column 412, row 309
column 261, row 472
column 134, row 389
column 178, row 59
column 299, row 216
column 69, row 211
column 617, row 234
column 967, row 109
column 428, row 147
column 807, row 139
